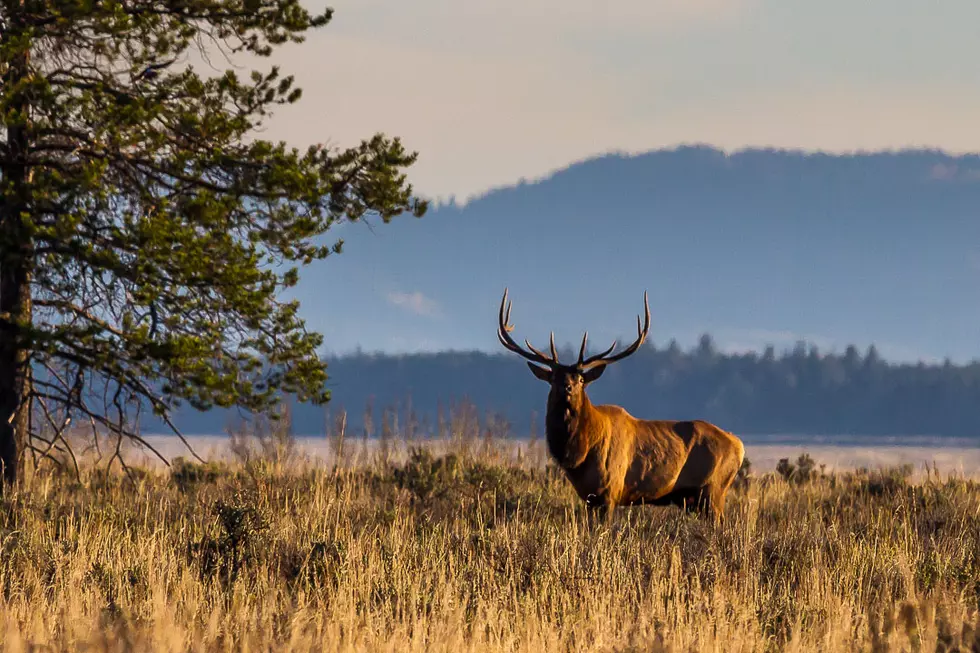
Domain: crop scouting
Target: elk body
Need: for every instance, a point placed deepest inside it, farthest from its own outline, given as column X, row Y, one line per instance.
column 614, row 459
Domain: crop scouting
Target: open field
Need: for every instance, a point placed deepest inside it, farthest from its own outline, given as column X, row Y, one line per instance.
column 958, row 458
column 480, row 551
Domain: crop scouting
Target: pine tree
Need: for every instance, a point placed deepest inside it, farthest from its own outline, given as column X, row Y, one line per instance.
column 146, row 235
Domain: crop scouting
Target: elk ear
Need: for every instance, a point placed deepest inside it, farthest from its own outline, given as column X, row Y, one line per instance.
column 542, row 373
column 592, row 374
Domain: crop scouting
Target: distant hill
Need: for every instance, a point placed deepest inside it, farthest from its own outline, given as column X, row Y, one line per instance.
column 756, row 247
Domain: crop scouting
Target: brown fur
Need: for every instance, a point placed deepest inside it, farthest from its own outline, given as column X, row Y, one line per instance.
column 614, row 459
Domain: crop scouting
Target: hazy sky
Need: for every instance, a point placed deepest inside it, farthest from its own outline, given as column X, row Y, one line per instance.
column 489, row 92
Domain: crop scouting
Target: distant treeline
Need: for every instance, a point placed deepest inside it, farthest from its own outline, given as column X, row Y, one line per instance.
column 802, row 391
column 799, row 391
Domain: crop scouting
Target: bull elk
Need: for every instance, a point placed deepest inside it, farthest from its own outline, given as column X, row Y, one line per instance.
column 614, row 459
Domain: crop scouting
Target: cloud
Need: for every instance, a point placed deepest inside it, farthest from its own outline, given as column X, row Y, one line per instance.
column 415, row 302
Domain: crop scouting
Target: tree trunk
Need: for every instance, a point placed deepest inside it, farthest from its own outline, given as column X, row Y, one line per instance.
column 15, row 309
column 16, row 261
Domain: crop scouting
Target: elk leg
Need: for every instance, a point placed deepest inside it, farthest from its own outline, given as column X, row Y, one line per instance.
column 597, row 508
column 722, row 492
column 597, row 514
column 709, row 501
column 718, row 504
column 699, row 502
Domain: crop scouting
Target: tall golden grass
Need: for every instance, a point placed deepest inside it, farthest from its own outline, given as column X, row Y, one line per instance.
column 473, row 550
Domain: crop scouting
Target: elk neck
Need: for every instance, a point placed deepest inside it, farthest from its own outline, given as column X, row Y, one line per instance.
column 566, row 426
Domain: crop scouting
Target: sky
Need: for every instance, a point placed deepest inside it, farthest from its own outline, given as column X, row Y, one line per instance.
column 490, row 92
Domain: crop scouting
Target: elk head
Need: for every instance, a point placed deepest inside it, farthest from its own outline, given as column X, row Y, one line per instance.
column 567, row 381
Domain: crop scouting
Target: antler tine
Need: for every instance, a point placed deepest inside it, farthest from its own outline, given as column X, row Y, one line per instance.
column 601, row 355
column 554, row 351
column 501, row 319
column 641, row 334
column 504, row 327
column 581, row 351
column 536, row 352
column 503, row 335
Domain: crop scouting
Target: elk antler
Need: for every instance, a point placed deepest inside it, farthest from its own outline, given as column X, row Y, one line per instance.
column 604, row 358
column 503, row 335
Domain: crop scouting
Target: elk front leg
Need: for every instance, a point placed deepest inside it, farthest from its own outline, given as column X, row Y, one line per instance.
column 598, row 508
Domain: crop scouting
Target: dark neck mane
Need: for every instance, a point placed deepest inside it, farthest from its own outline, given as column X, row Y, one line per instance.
column 562, row 422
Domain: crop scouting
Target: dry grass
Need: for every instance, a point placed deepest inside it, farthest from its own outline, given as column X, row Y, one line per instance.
column 474, row 552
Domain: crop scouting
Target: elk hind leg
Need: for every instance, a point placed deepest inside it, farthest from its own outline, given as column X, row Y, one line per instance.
column 717, row 503
column 719, row 493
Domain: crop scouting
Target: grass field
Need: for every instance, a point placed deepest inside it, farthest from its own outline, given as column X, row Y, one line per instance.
column 474, row 550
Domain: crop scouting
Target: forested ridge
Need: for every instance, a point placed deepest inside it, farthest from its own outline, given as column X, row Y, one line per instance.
column 796, row 391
